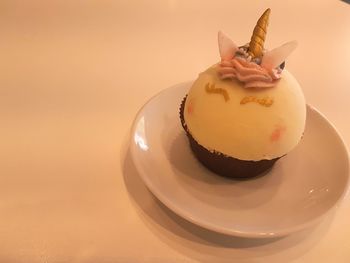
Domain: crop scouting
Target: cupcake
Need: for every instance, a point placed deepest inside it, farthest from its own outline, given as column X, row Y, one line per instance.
column 244, row 113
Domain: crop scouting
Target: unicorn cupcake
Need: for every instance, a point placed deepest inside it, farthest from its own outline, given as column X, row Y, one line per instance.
column 247, row 111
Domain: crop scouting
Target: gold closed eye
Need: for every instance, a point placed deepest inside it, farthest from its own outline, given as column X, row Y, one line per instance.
column 212, row 89
column 265, row 101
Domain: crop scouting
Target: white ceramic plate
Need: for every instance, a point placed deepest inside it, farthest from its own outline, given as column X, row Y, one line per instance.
column 296, row 193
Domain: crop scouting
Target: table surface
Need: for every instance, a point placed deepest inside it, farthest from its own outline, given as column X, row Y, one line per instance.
column 73, row 76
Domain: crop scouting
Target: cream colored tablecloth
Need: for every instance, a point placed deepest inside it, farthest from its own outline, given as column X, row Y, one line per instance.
column 73, row 74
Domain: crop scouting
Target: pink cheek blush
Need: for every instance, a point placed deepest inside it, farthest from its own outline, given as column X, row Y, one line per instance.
column 190, row 107
column 277, row 133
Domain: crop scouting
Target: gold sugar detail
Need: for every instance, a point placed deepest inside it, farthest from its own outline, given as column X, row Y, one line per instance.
column 265, row 101
column 212, row 90
column 256, row 45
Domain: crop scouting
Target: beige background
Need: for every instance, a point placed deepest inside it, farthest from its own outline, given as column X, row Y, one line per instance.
column 73, row 74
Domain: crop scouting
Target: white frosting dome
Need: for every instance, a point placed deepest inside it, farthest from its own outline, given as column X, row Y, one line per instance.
column 249, row 124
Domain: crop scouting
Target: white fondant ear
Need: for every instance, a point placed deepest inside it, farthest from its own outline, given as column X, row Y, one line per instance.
column 227, row 48
column 275, row 57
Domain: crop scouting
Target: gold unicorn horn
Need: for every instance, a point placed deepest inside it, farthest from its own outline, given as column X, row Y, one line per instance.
column 256, row 44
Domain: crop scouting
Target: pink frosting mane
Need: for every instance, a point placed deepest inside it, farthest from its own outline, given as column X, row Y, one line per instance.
column 250, row 73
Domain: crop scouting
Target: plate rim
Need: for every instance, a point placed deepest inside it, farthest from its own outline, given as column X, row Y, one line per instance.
column 213, row 227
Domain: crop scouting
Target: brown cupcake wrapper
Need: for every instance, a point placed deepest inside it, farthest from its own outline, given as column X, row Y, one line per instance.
column 222, row 164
